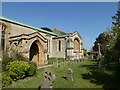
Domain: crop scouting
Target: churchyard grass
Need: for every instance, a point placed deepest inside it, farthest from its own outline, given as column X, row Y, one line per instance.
column 85, row 75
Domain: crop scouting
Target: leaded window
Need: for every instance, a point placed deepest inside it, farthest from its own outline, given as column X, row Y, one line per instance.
column 3, row 40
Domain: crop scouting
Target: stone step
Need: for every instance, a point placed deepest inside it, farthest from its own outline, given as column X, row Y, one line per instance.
column 44, row 66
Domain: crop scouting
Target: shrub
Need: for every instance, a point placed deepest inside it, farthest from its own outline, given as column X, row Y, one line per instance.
column 5, row 60
column 51, row 60
column 32, row 69
column 17, row 69
column 15, row 56
column 6, row 80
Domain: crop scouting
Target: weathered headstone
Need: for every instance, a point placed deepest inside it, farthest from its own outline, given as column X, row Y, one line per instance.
column 70, row 74
column 49, row 78
column 102, row 63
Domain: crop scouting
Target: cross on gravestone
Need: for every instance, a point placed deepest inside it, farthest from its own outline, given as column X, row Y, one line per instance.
column 69, row 74
column 49, row 78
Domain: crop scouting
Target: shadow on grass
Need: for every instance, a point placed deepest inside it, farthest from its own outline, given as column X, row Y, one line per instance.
column 99, row 77
column 90, row 67
column 64, row 77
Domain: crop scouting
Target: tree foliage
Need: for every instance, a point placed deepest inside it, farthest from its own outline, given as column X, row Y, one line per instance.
column 110, row 41
column 46, row 28
column 106, row 40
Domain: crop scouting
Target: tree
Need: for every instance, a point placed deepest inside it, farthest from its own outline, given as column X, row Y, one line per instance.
column 116, row 28
column 110, row 41
column 104, row 39
column 84, row 52
column 46, row 28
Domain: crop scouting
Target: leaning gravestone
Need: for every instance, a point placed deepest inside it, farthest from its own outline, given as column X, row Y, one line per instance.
column 70, row 74
column 49, row 78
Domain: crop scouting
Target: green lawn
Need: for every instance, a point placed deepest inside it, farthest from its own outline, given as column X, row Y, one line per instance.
column 0, row 80
column 85, row 75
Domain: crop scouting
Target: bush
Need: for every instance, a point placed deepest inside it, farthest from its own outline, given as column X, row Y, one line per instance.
column 17, row 69
column 32, row 69
column 15, row 56
column 5, row 60
column 6, row 80
column 51, row 60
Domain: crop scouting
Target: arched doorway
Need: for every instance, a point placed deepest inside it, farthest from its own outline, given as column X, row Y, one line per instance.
column 36, row 52
column 76, row 44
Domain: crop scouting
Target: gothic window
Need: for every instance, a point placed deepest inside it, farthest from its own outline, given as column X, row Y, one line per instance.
column 59, row 44
column 3, row 40
column 48, row 46
column 68, row 42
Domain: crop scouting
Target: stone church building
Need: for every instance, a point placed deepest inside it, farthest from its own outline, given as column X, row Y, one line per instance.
column 38, row 44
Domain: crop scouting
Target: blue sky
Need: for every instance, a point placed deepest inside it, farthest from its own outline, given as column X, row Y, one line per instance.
column 88, row 18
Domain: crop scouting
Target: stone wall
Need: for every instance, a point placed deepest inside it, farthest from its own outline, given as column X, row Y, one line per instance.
column 55, row 49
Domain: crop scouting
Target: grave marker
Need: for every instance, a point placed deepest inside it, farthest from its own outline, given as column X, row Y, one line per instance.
column 70, row 74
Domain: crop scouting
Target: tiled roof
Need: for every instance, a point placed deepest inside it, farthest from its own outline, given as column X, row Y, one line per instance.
column 15, row 22
column 58, row 32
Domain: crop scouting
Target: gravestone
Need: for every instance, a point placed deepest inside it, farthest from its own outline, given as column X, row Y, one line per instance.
column 69, row 74
column 102, row 63
column 49, row 78
column 77, row 60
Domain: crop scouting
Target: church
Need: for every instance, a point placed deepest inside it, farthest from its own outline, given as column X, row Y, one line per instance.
column 38, row 44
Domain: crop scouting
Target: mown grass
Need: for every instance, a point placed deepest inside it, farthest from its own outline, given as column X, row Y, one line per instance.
column 78, row 82
column 0, row 80
column 85, row 75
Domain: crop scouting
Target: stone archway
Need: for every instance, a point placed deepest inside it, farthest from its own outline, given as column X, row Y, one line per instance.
column 76, row 44
column 36, row 52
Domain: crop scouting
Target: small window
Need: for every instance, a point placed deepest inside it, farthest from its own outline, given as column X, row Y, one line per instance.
column 3, row 40
column 59, row 45
column 48, row 46
column 68, row 42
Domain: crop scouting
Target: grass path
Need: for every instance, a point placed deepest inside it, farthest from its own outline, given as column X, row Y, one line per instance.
column 85, row 75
